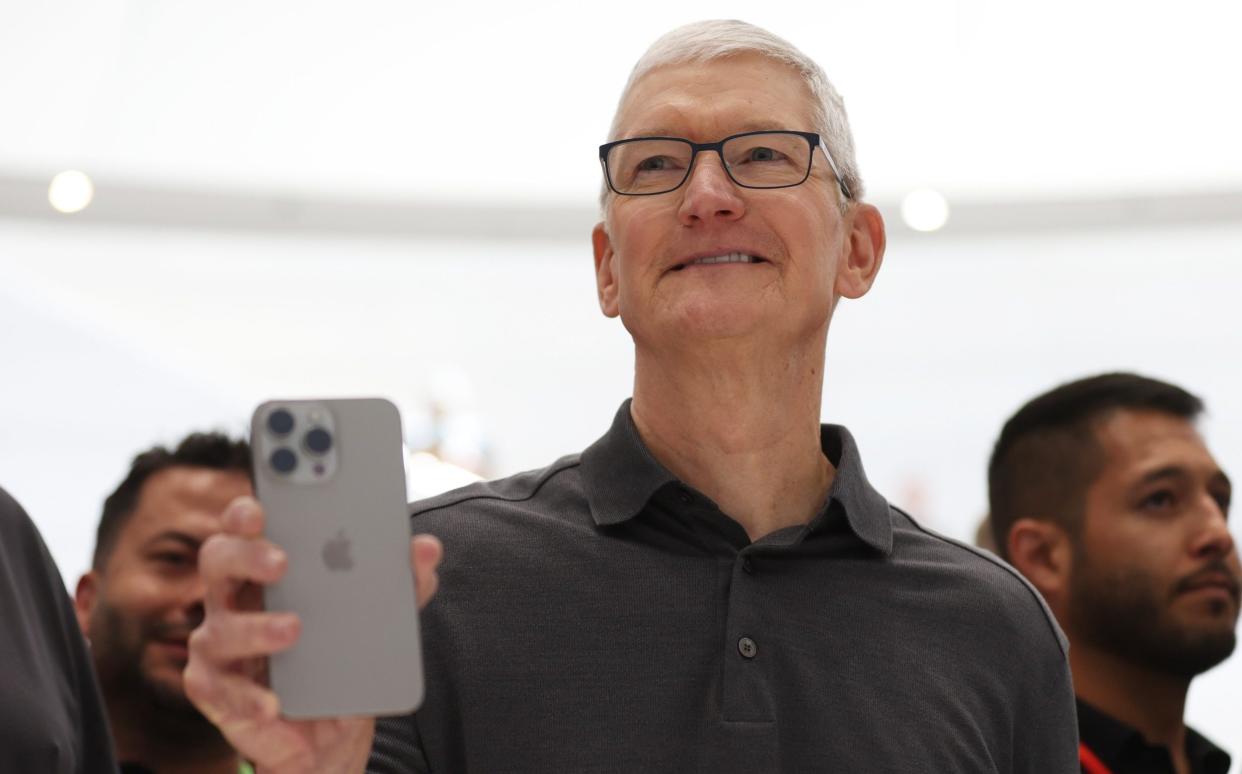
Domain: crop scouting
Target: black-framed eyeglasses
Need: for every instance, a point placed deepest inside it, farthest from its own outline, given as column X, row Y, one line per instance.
column 645, row 166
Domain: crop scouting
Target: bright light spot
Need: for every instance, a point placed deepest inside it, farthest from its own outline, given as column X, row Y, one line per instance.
column 925, row 210
column 70, row 191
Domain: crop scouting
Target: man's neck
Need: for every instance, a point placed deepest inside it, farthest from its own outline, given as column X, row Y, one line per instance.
column 149, row 744
column 743, row 431
column 1150, row 702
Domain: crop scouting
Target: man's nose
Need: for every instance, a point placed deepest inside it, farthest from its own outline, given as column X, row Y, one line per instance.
column 1213, row 538
column 710, row 194
column 194, row 599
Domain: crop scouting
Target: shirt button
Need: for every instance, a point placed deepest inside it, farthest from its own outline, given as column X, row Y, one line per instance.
column 748, row 566
column 685, row 497
column 747, row 647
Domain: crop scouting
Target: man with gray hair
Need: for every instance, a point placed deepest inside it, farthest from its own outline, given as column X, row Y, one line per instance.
column 713, row 585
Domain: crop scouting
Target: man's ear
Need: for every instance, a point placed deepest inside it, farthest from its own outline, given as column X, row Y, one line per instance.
column 605, row 271
column 864, row 253
column 1043, row 552
column 84, row 597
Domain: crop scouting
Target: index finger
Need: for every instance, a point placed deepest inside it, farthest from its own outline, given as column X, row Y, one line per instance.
column 243, row 517
column 226, row 562
column 425, row 554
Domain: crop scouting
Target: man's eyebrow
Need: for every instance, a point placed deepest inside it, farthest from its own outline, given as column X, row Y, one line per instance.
column 189, row 541
column 1168, row 471
column 651, row 131
column 662, row 131
column 1173, row 471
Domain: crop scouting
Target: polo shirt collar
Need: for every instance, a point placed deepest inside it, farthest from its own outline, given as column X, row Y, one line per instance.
column 619, row 473
column 866, row 510
column 620, row 476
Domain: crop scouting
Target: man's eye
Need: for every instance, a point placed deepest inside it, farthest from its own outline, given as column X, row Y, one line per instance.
column 764, row 154
column 655, row 164
column 1158, row 500
column 170, row 559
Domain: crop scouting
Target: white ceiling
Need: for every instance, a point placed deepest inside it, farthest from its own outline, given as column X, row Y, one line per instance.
column 1006, row 99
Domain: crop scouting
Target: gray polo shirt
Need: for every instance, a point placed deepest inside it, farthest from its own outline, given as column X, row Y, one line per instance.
column 601, row 616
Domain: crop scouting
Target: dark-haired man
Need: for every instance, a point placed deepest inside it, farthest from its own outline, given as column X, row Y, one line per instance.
column 143, row 596
column 1105, row 496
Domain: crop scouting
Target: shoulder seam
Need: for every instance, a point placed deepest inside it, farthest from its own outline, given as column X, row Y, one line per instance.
column 549, row 473
column 996, row 560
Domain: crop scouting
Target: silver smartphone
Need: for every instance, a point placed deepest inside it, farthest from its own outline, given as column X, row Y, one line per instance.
column 331, row 477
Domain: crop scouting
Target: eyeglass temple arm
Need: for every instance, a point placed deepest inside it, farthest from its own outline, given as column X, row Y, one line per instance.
column 845, row 190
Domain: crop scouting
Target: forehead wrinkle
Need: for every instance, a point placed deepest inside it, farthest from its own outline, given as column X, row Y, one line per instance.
column 698, row 97
column 698, row 117
column 182, row 495
column 743, row 128
column 1139, row 435
column 1179, row 467
column 184, row 523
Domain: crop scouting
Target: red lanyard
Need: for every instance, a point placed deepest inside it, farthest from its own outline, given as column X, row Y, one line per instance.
column 1090, row 763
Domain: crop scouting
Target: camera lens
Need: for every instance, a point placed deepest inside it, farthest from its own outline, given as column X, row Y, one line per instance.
column 284, row 461
column 318, row 441
column 280, row 422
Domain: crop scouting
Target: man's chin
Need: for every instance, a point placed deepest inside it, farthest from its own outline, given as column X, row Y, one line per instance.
column 1207, row 614
column 722, row 319
column 1193, row 650
column 169, row 715
column 166, row 685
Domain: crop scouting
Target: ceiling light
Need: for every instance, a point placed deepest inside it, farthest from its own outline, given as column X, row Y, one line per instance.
column 70, row 191
column 925, row 210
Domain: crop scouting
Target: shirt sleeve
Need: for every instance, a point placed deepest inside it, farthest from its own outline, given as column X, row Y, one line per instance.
column 1046, row 739
column 55, row 717
column 95, row 733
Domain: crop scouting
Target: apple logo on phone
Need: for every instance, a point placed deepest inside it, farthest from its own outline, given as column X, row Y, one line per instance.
column 336, row 553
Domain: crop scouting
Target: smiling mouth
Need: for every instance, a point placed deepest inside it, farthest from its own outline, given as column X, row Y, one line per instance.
column 713, row 260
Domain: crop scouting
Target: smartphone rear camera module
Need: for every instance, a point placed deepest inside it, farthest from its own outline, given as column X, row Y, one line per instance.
column 284, row 461
column 317, row 441
column 295, row 442
column 280, row 422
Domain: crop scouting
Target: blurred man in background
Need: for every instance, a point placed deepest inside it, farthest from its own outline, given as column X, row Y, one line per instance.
column 1105, row 496
column 143, row 596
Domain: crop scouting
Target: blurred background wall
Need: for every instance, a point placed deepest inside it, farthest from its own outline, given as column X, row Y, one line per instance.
column 298, row 199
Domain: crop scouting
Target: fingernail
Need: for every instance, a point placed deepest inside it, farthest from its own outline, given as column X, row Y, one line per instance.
column 260, row 706
column 274, row 558
column 236, row 514
column 283, row 627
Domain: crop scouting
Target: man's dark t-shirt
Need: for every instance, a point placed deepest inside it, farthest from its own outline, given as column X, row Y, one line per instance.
column 52, row 719
column 1123, row 750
